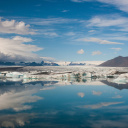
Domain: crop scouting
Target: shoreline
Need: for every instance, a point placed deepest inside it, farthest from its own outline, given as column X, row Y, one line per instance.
column 10, row 68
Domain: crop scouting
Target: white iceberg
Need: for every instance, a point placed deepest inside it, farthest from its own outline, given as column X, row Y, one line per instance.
column 14, row 75
column 122, row 79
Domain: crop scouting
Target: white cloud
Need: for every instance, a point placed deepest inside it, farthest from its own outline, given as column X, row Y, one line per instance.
column 79, row 1
column 81, row 51
column 15, row 47
column 81, row 94
column 96, row 93
column 65, row 11
column 112, row 22
column 118, row 37
column 52, row 21
column 120, row 4
column 16, row 27
column 23, row 39
column 51, row 34
column 91, row 31
column 97, row 40
column 48, row 32
column 117, row 49
column 96, row 53
column 108, row 20
column 70, row 34
column 100, row 105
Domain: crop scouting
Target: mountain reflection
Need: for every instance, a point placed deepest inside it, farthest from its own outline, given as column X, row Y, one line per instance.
column 115, row 85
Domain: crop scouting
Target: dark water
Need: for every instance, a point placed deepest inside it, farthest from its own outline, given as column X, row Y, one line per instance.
column 49, row 104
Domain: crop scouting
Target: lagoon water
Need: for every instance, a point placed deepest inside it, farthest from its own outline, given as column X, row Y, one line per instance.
column 53, row 104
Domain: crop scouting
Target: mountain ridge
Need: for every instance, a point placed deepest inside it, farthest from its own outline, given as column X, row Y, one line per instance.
column 119, row 61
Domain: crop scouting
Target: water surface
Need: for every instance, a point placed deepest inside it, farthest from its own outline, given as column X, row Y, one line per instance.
column 53, row 104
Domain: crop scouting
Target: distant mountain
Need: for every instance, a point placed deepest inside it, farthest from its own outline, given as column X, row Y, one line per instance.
column 7, row 63
column 116, row 62
column 75, row 64
column 28, row 64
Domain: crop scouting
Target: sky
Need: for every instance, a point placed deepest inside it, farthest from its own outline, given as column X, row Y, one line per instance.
column 63, row 30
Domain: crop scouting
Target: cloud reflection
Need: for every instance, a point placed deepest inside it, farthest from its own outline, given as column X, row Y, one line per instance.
column 15, row 97
column 81, row 94
column 96, row 93
column 15, row 120
column 100, row 105
column 109, row 123
column 117, row 96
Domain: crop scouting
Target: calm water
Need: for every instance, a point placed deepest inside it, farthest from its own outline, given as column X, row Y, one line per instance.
column 49, row 104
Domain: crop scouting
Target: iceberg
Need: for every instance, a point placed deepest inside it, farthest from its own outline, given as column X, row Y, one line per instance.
column 121, row 79
column 2, row 75
column 14, row 75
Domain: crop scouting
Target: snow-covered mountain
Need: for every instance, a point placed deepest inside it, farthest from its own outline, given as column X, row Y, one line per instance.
column 79, row 63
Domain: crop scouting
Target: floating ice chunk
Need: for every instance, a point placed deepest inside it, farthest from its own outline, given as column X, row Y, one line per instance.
column 14, row 75
column 2, row 75
column 122, row 79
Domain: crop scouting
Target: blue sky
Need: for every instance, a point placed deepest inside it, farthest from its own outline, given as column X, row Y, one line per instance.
column 64, row 30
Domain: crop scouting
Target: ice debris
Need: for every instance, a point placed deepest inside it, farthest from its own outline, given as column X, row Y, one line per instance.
column 119, row 75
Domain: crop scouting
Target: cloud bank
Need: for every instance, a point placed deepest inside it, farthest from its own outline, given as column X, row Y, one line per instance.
column 16, row 27
column 15, row 49
column 116, row 22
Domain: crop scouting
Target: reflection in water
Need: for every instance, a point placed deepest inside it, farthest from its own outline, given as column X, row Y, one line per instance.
column 15, row 96
column 115, row 85
column 100, row 105
column 16, row 100
column 117, row 96
column 15, row 120
column 81, row 94
column 96, row 93
column 89, row 103
column 104, row 123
